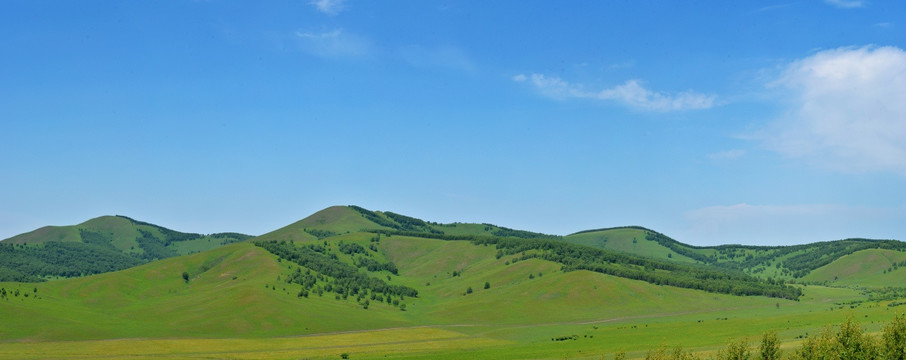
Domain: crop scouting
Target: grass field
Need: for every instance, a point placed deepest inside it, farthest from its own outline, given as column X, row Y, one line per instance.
column 233, row 306
column 236, row 304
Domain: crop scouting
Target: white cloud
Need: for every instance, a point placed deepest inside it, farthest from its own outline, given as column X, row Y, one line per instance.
column 847, row 110
column 335, row 43
column 846, row 4
column 329, row 7
column 727, row 155
column 631, row 93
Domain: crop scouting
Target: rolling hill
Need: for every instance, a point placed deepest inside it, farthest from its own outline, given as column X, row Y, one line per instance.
column 379, row 284
column 788, row 263
column 103, row 244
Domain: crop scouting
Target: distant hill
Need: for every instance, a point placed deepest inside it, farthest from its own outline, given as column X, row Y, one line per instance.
column 795, row 262
column 110, row 243
column 103, row 244
column 245, row 290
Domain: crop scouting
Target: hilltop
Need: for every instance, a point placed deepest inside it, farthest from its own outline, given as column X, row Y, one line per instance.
column 102, row 244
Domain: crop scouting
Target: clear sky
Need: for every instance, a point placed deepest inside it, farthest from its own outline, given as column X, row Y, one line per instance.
column 753, row 122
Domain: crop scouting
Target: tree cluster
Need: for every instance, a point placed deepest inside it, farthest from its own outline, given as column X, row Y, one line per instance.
column 338, row 277
column 64, row 259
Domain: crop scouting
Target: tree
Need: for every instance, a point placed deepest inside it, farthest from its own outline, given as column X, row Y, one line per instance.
column 894, row 339
column 185, row 276
column 770, row 346
column 469, row 290
column 855, row 343
column 735, row 350
column 487, row 285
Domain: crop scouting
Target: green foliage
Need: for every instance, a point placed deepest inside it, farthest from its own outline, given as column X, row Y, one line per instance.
column 373, row 265
column 663, row 353
column 185, row 276
column 487, row 285
column 769, row 349
column 894, row 339
column 96, row 238
column 169, row 235
column 660, row 272
column 64, row 259
column 345, row 279
column 849, row 342
column 351, row 248
column 153, row 247
column 320, row 234
column 735, row 350
column 854, row 343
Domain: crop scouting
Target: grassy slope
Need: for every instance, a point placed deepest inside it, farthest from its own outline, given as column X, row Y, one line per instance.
column 630, row 240
column 337, row 219
column 120, row 231
column 230, row 298
column 161, row 315
column 863, row 268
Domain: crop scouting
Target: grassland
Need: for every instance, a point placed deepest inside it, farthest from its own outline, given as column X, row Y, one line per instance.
column 237, row 304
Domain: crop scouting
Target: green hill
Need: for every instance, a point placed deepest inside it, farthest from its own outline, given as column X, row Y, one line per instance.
column 243, row 290
column 102, row 244
column 633, row 240
column 372, row 284
column 768, row 262
column 864, row 268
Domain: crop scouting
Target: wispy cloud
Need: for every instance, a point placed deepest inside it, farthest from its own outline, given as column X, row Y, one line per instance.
column 630, row 93
column 329, row 7
column 846, row 4
column 727, row 155
column 847, row 110
column 334, row 43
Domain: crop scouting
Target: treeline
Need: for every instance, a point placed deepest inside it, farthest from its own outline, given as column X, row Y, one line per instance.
column 396, row 221
column 655, row 271
column 320, row 234
column 800, row 259
column 522, row 234
column 344, row 279
column 659, row 272
column 64, row 259
column 611, row 228
column 169, row 235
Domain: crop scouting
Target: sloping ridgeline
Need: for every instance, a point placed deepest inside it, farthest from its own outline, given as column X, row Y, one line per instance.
column 580, row 257
column 659, row 272
column 794, row 261
column 104, row 244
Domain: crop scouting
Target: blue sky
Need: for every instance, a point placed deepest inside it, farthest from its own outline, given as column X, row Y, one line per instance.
column 716, row 122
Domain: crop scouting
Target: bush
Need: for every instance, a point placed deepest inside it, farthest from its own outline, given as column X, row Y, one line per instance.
column 735, row 350
column 894, row 339
column 770, row 346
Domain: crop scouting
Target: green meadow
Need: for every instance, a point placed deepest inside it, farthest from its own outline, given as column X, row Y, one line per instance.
column 237, row 301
